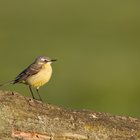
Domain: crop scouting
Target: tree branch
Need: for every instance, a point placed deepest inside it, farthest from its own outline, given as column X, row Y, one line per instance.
column 25, row 118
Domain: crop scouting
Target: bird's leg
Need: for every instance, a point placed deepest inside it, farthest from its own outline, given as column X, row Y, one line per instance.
column 39, row 93
column 31, row 92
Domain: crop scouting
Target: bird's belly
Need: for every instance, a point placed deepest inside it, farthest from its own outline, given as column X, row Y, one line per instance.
column 40, row 78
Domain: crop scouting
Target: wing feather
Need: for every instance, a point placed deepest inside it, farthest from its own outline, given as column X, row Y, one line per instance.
column 31, row 70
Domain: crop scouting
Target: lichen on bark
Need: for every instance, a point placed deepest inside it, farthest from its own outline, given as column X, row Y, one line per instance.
column 24, row 118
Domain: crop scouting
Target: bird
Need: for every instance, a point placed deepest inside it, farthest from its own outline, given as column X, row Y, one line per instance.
column 35, row 75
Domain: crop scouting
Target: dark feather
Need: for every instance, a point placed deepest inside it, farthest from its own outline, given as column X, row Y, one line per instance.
column 31, row 70
column 11, row 82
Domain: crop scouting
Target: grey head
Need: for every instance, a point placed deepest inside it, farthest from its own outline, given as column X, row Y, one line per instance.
column 44, row 59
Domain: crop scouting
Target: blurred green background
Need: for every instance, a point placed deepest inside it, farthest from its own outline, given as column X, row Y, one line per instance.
column 96, row 43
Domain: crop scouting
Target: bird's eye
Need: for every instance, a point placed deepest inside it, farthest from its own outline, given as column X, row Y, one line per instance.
column 45, row 61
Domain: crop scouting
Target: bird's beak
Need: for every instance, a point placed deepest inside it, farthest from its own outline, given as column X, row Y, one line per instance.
column 53, row 60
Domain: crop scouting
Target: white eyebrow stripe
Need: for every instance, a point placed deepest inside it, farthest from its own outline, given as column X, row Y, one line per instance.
column 42, row 59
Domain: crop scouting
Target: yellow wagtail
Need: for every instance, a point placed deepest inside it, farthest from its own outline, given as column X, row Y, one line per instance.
column 36, row 75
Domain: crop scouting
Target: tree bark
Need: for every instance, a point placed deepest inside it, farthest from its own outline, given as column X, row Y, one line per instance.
column 24, row 118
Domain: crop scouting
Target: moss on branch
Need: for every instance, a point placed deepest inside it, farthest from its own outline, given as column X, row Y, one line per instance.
column 24, row 118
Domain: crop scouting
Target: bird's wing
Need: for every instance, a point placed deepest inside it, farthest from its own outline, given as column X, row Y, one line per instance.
column 31, row 70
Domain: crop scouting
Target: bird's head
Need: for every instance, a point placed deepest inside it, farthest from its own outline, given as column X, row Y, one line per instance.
column 44, row 60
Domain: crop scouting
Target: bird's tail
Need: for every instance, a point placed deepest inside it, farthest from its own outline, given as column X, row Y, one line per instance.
column 11, row 82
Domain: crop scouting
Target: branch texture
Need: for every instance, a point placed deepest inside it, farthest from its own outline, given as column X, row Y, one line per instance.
column 24, row 118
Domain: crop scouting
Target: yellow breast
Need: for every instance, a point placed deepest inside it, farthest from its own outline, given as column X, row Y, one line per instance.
column 41, row 77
